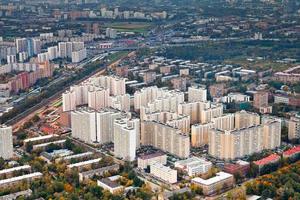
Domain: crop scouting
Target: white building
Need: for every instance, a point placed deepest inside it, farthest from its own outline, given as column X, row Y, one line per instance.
column 78, row 56
column 111, row 33
column 43, row 57
column 194, row 166
column 37, row 46
column 212, row 185
column 164, row 173
column 6, row 142
column 233, row 97
column 83, row 125
column 52, row 52
column 146, row 160
column 197, row 94
column 125, row 139
column 11, row 59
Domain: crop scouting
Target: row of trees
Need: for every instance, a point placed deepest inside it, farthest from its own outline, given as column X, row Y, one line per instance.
column 282, row 184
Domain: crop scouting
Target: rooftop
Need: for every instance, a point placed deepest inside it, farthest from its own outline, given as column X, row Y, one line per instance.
column 4, row 171
column 109, row 183
column 292, row 151
column 219, row 177
column 153, row 155
column 19, row 178
column 269, row 159
column 84, row 163
column 39, row 138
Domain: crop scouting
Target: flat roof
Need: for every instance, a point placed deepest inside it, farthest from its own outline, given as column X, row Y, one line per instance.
column 292, row 151
column 267, row 160
column 19, row 178
column 152, row 155
column 39, row 138
column 162, row 167
column 193, row 160
column 99, row 170
column 109, row 183
column 219, row 177
column 84, row 163
column 4, row 171
column 78, row 155
column 48, row 143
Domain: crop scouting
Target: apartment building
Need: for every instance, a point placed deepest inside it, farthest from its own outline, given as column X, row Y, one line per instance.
column 164, row 173
column 6, row 142
column 125, row 139
column 165, row 138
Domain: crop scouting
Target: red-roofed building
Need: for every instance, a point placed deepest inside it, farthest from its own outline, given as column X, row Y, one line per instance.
column 47, row 129
column 291, row 152
column 241, row 168
column 273, row 158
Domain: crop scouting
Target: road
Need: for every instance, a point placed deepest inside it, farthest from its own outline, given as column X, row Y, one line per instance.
column 18, row 120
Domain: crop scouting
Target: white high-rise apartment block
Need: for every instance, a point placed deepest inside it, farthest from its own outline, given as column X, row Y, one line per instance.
column 200, row 134
column 200, row 112
column 244, row 119
column 115, row 84
column 165, row 138
column 95, row 92
column 94, row 126
column 105, row 124
column 21, row 44
column 53, row 52
column 37, row 46
column 98, row 98
column 236, row 143
column 197, row 94
column 125, row 139
column 111, row 33
column 294, row 127
column 62, row 49
column 181, row 122
column 23, row 56
column 43, row 57
column 69, row 49
column 167, row 103
column 153, row 94
column 77, row 46
column 120, row 102
column 272, row 134
column 6, row 142
column 224, row 122
column 236, row 135
column 83, row 124
column 11, row 59
column 78, row 56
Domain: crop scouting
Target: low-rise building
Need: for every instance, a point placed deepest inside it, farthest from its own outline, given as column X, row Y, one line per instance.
column 83, row 164
column 5, row 183
column 89, row 174
column 10, row 171
column 164, row 173
column 194, row 166
column 291, row 152
column 145, row 160
column 271, row 159
column 241, row 167
column 110, row 185
column 222, row 180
